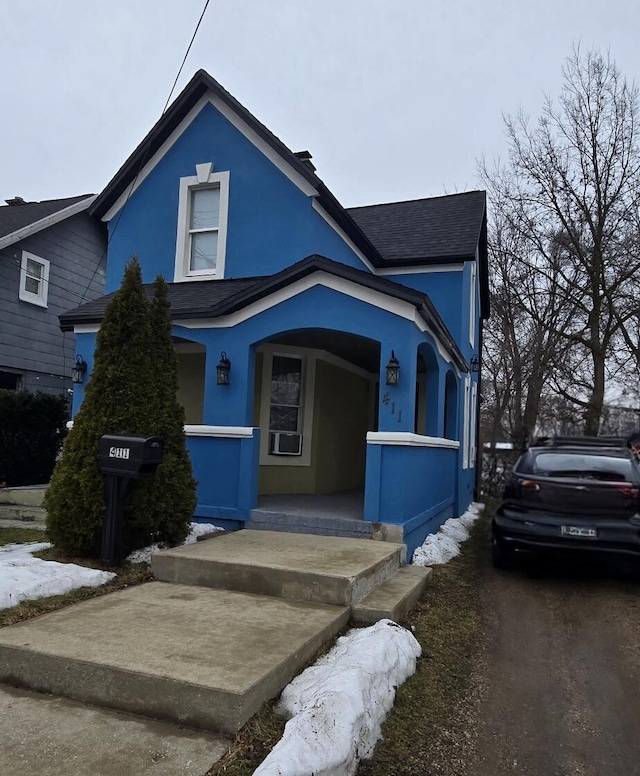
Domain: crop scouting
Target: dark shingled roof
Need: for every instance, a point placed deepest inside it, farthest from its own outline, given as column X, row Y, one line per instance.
column 14, row 217
column 420, row 232
column 214, row 298
column 424, row 230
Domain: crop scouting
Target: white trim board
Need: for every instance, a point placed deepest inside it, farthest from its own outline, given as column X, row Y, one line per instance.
column 239, row 124
column 408, row 439
column 422, row 270
column 354, row 290
column 46, row 222
column 218, row 432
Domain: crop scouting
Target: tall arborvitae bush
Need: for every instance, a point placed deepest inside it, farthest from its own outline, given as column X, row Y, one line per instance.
column 170, row 497
column 122, row 397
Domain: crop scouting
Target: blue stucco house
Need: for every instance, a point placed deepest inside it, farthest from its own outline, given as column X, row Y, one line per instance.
column 326, row 355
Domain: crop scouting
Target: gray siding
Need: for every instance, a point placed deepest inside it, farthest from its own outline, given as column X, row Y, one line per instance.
column 30, row 336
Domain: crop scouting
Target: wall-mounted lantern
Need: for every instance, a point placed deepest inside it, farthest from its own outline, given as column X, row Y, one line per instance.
column 393, row 370
column 222, row 370
column 78, row 370
column 475, row 364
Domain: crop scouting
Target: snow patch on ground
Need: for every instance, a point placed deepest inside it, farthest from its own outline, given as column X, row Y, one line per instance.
column 23, row 577
column 441, row 547
column 196, row 530
column 337, row 706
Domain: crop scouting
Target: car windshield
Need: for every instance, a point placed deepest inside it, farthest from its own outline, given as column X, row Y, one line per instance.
column 585, row 466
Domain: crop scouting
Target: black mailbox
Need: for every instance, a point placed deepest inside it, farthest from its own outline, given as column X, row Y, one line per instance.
column 120, row 459
column 129, row 456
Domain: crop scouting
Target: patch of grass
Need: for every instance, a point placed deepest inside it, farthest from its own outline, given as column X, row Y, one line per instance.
column 21, row 536
column 128, row 574
column 251, row 744
column 447, row 624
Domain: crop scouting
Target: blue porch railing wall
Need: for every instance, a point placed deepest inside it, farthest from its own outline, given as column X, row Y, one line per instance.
column 227, row 473
column 412, row 487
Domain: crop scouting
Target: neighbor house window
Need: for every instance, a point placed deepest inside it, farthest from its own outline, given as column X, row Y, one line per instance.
column 285, row 409
column 202, row 225
column 34, row 279
column 10, row 381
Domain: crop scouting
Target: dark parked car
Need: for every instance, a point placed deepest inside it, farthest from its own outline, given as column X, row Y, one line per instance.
column 577, row 494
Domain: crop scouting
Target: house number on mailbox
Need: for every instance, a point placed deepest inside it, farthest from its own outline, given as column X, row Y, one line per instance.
column 119, row 452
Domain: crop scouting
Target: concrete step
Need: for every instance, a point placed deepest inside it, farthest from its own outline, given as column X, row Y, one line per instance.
column 30, row 495
column 27, row 514
column 194, row 656
column 265, row 520
column 301, row 567
column 394, row 598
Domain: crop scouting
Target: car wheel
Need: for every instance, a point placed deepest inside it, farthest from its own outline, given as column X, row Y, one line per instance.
column 500, row 554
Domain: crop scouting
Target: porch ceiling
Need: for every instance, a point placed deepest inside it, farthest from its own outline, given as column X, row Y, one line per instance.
column 362, row 352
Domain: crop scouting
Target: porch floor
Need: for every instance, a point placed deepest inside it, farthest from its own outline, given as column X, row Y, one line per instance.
column 348, row 505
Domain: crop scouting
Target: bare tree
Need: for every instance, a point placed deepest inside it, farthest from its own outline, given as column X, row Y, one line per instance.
column 570, row 193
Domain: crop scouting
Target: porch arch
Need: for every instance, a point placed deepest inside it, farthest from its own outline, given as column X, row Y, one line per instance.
column 429, row 420
column 451, row 406
column 316, row 390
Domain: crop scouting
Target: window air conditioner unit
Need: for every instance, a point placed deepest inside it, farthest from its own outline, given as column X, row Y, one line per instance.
column 285, row 443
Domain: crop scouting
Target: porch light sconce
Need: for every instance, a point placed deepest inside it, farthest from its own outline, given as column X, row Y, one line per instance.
column 222, row 370
column 475, row 364
column 78, row 370
column 393, row 370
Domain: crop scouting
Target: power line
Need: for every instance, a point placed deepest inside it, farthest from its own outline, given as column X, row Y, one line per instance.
column 144, row 158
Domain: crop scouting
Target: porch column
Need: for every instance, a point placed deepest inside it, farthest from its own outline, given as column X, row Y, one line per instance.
column 396, row 407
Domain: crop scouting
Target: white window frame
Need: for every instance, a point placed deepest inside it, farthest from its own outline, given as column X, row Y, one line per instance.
column 204, row 178
column 472, row 430
column 472, row 306
column 40, row 299
column 305, row 422
column 465, row 428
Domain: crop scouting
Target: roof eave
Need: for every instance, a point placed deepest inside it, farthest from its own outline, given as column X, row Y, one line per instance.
column 44, row 223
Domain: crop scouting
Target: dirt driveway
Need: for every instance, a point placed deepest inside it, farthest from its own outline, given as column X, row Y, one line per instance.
column 559, row 685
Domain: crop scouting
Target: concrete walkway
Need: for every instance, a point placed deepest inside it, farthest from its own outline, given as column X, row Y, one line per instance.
column 230, row 622
column 41, row 735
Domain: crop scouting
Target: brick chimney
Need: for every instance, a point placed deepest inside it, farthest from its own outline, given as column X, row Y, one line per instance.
column 15, row 201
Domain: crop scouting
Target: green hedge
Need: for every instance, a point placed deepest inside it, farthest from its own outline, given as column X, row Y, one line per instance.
column 32, row 427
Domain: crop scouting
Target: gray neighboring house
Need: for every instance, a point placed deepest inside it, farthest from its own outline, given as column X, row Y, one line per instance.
column 52, row 258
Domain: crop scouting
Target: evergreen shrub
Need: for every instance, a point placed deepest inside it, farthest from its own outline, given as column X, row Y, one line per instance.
column 131, row 391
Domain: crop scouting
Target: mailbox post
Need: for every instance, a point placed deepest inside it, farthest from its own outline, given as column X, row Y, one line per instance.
column 121, row 459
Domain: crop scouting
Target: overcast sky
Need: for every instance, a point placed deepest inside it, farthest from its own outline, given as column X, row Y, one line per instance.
column 395, row 100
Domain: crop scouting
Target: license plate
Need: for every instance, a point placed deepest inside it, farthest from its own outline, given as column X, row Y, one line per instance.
column 572, row 530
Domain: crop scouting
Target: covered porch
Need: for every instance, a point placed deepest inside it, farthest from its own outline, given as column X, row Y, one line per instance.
column 336, row 405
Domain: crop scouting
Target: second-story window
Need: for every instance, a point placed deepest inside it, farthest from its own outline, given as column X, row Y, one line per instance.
column 34, row 279
column 204, row 223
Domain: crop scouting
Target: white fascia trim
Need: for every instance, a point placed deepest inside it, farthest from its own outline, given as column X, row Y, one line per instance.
column 345, row 237
column 408, row 439
column 420, row 270
column 240, row 125
column 219, row 432
column 348, row 287
column 46, row 222
column 86, row 328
